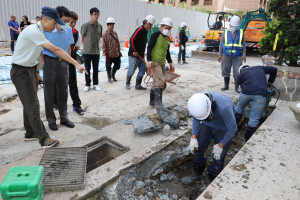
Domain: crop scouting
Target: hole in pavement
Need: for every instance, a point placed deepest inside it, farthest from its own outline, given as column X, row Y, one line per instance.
column 159, row 176
column 97, row 122
column 102, row 151
column 4, row 111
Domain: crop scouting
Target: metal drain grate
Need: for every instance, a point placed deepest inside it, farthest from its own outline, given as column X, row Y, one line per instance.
column 64, row 168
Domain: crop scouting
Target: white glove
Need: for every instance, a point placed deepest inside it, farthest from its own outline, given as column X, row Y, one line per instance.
column 217, row 151
column 193, row 145
column 149, row 64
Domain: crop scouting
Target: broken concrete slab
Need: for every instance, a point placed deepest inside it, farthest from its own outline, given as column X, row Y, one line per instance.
column 147, row 124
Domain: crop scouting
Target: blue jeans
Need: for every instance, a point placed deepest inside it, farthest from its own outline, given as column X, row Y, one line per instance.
column 139, row 63
column 12, row 43
column 258, row 104
column 88, row 58
column 204, row 137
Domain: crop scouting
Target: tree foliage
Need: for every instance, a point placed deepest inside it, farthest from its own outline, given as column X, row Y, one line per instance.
column 286, row 22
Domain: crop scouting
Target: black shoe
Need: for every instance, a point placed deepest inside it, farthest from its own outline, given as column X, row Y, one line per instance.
column 78, row 109
column 109, row 80
column 128, row 79
column 114, row 75
column 226, row 83
column 249, row 132
column 53, row 126
column 68, row 124
column 184, row 62
column 138, row 85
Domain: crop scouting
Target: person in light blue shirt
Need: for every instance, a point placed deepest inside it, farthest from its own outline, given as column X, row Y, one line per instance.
column 56, row 72
column 213, row 118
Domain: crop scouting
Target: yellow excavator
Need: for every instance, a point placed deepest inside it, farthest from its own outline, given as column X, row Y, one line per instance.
column 253, row 23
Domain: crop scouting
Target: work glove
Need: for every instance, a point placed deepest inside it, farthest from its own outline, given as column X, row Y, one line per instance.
column 106, row 57
column 149, row 65
column 172, row 68
column 193, row 145
column 217, row 151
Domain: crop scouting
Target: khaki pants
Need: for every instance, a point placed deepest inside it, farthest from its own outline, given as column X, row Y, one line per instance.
column 25, row 81
column 158, row 72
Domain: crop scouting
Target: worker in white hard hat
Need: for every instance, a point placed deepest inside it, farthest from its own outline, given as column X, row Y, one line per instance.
column 111, row 50
column 158, row 51
column 182, row 43
column 213, row 118
column 232, row 52
column 137, row 48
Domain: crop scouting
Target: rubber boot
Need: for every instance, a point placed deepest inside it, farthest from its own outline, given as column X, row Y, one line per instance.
column 238, row 118
column 138, row 85
column 249, row 132
column 226, row 83
column 128, row 79
column 213, row 172
column 236, row 85
column 114, row 75
column 151, row 103
column 158, row 98
column 196, row 175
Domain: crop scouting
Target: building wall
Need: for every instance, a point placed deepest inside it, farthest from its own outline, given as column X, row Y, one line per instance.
column 128, row 14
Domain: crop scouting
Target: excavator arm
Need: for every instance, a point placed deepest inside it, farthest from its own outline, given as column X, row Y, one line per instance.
column 257, row 14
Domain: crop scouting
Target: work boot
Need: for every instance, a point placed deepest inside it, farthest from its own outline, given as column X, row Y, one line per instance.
column 158, row 97
column 196, row 175
column 114, row 75
column 184, row 62
column 138, row 85
column 128, row 79
column 226, row 83
column 236, row 85
column 151, row 103
column 249, row 132
column 213, row 172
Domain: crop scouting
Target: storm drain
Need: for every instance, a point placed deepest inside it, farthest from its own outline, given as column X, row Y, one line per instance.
column 64, row 168
column 102, row 151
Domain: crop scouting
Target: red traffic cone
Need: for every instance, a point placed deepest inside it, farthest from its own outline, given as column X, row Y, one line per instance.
column 171, row 38
column 126, row 43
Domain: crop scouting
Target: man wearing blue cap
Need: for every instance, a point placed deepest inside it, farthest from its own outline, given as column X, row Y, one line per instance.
column 23, row 73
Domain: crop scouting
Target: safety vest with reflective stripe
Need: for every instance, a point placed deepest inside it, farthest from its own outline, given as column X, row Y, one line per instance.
column 233, row 46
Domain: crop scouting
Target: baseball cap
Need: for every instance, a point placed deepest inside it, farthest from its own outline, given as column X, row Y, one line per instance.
column 51, row 12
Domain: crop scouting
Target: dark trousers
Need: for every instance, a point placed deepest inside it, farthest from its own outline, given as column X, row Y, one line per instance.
column 88, row 58
column 56, row 80
column 25, row 81
column 181, row 53
column 117, row 63
column 204, row 137
column 73, row 86
column 12, row 43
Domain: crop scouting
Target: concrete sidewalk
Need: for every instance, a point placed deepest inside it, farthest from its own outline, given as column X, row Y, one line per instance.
column 268, row 165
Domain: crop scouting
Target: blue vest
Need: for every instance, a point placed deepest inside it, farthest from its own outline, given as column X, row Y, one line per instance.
column 233, row 46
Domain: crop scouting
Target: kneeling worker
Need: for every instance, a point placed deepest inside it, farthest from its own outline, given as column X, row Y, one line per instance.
column 213, row 117
column 254, row 85
column 157, row 52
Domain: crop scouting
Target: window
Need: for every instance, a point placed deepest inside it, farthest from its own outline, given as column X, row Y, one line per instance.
column 207, row 2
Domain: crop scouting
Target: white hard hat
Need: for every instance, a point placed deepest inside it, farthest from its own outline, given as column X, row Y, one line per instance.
column 151, row 19
column 243, row 67
column 183, row 24
column 166, row 21
column 235, row 21
column 110, row 20
column 199, row 106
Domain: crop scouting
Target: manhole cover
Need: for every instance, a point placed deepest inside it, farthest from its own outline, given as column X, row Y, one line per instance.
column 64, row 168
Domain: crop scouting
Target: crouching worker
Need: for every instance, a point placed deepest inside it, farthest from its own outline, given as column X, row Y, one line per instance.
column 213, row 118
column 254, row 86
column 157, row 52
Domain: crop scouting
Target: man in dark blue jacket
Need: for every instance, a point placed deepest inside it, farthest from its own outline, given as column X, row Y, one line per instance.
column 254, row 86
column 213, row 117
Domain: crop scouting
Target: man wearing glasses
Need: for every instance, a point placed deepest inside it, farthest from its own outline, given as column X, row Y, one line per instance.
column 137, row 48
column 23, row 73
column 91, row 33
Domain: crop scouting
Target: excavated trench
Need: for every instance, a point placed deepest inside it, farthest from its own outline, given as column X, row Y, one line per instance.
column 159, row 177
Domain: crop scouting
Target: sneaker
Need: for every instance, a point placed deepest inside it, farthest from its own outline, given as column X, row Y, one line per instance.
column 49, row 142
column 30, row 138
column 86, row 88
column 78, row 109
column 96, row 87
column 55, row 108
